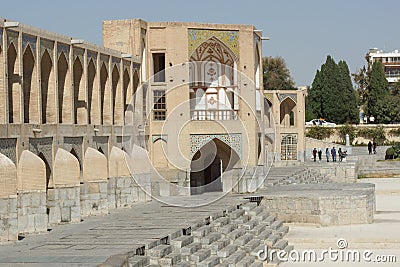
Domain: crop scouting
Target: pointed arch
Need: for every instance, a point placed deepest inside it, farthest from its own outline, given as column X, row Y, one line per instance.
column 287, row 106
column 79, row 93
column 47, row 85
column 93, row 94
column 64, row 92
column 117, row 104
column 127, row 89
column 30, row 90
column 13, row 82
column 208, row 165
column 104, row 95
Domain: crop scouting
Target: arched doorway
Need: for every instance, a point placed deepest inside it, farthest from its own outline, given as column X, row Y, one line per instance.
column 208, row 165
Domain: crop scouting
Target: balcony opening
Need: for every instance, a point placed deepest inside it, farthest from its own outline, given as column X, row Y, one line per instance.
column 159, row 67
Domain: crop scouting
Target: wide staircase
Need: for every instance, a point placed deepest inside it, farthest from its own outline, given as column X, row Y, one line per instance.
column 232, row 238
column 294, row 175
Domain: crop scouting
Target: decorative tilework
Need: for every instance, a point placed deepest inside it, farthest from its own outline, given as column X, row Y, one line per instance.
column 63, row 48
column 29, row 40
column 12, row 37
column 8, row 148
column 44, row 146
column 284, row 96
column 46, row 45
column 74, row 144
column 229, row 38
column 234, row 141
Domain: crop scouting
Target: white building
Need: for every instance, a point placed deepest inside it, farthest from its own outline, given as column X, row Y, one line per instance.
column 390, row 62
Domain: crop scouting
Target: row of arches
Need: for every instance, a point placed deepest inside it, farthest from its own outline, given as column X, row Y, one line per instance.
column 59, row 88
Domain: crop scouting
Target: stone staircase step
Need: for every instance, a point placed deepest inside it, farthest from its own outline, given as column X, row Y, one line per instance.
column 209, row 262
column 265, row 234
column 258, row 229
column 255, row 211
column 211, row 238
column 202, row 231
column 271, row 240
column 227, row 251
column 200, row 255
column 181, row 241
column 227, row 228
column 251, row 245
column 218, row 245
column 249, row 225
column 269, row 220
column 276, row 225
column 160, row 251
column 243, row 240
column 236, row 214
column 235, row 234
column 261, row 216
column 139, row 261
column 170, row 260
column 242, row 219
column 249, row 206
column 221, row 222
column 280, row 244
column 245, row 262
column 282, row 231
column 233, row 259
column 190, row 249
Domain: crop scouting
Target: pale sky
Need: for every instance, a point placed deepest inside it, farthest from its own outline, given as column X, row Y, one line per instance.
column 302, row 32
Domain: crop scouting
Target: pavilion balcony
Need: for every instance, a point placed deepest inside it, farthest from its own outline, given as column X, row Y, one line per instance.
column 213, row 115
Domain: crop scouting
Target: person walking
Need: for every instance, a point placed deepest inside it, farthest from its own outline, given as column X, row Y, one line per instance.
column 319, row 154
column 327, row 154
column 314, row 152
column 333, row 152
column 374, row 146
column 340, row 154
column 369, row 147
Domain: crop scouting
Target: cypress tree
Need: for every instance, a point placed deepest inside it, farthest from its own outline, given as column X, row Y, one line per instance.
column 349, row 109
column 378, row 94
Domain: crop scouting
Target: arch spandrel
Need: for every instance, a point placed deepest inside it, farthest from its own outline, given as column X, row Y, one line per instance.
column 8, row 177
column 234, row 141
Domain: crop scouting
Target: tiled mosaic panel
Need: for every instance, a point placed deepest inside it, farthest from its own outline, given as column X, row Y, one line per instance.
column 232, row 140
column 8, row 148
column 229, row 38
column 284, row 96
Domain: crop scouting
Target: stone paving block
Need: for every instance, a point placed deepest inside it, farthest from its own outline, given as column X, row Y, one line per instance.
column 211, row 238
column 249, row 206
column 271, row 240
column 236, row 214
column 275, row 225
column 242, row 219
column 227, row 228
column 218, row 245
column 190, row 249
column 221, row 222
column 181, row 241
column 202, row 231
column 209, row 262
column 170, row 260
column 200, row 255
column 226, row 251
column 235, row 234
column 160, row 251
column 245, row 262
column 243, row 240
column 255, row 211
column 280, row 244
column 139, row 261
column 251, row 245
column 235, row 257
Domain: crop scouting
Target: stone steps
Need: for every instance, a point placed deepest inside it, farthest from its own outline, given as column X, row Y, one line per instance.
column 231, row 239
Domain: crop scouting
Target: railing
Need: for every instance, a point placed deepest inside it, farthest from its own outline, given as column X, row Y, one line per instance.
column 213, row 115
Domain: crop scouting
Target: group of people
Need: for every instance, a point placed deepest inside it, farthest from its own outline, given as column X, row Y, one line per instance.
column 329, row 153
column 372, row 147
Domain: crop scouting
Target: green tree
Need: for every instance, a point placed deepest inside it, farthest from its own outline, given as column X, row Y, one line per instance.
column 276, row 75
column 349, row 107
column 378, row 102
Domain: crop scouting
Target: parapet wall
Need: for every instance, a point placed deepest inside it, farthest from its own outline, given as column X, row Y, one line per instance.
column 325, row 204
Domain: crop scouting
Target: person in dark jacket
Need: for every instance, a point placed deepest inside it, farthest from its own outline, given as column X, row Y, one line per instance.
column 314, row 153
column 370, row 148
column 333, row 152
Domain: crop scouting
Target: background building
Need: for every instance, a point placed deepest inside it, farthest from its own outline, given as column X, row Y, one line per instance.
column 390, row 62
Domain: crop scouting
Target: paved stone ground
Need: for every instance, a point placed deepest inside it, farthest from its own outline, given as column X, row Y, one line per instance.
column 92, row 241
column 381, row 237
